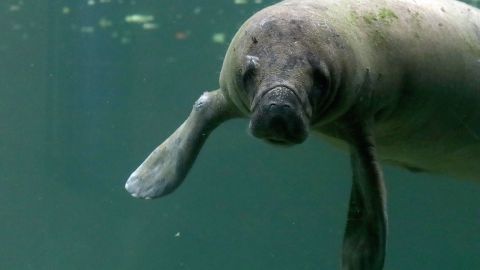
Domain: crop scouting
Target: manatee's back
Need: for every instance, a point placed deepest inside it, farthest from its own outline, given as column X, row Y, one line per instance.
column 426, row 54
column 436, row 123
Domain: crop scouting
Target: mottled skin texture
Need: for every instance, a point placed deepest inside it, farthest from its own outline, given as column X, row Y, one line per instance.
column 394, row 81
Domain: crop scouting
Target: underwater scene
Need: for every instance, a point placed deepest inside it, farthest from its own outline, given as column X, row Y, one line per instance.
column 89, row 88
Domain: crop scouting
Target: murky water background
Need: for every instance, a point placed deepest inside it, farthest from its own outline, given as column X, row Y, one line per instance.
column 88, row 88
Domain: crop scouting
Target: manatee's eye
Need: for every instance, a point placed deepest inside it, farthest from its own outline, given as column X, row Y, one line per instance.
column 251, row 66
column 320, row 88
column 249, row 71
column 320, row 83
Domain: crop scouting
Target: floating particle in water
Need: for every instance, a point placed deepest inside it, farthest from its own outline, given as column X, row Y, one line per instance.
column 87, row 29
column 125, row 40
column 180, row 35
column 66, row 10
column 14, row 8
column 240, row 2
column 105, row 23
column 139, row 18
column 179, row 16
column 91, row 2
column 197, row 10
column 218, row 38
column 149, row 26
column 170, row 60
column 178, row 234
column 17, row 27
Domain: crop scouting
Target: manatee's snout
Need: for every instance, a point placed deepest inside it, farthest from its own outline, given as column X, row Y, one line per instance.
column 279, row 117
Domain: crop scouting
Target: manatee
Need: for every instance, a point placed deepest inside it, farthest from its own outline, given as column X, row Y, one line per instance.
column 393, row 82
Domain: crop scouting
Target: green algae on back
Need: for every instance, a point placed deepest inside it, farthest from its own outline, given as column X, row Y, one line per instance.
column 377, row 21
column 387, row 15
column 384, row 15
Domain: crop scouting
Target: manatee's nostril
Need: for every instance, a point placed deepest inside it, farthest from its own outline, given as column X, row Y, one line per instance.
column 275, row 107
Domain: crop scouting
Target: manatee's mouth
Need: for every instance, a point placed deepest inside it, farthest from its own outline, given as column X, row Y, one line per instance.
column 278, row 116
column 279, row 142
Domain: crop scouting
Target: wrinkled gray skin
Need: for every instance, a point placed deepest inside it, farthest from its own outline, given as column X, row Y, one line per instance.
column 394, row 81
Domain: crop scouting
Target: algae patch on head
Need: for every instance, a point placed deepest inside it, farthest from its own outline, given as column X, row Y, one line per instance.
column 384, row 15
column 370, row 17
column 353, row 18
column 387, row 15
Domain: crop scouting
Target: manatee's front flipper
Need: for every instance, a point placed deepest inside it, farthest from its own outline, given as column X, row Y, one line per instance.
column 166, row 167
column 365, row 234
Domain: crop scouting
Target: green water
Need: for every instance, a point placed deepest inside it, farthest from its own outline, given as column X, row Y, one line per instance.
column 86, row 94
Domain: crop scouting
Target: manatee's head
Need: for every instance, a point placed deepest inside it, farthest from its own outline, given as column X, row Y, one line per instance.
column 275, row 73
